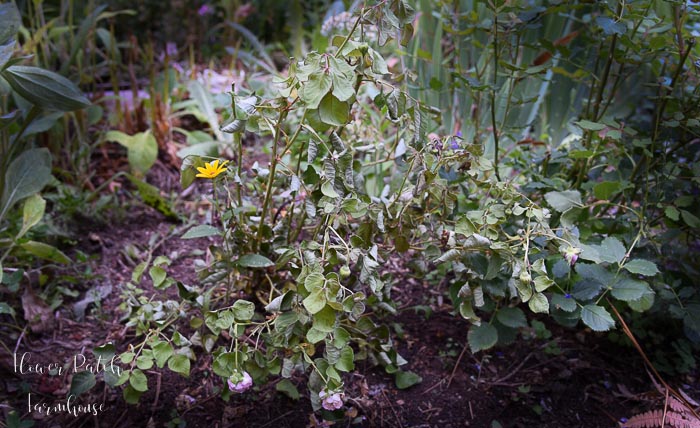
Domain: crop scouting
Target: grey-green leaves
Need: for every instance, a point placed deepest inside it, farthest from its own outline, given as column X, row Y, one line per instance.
column 44, row 88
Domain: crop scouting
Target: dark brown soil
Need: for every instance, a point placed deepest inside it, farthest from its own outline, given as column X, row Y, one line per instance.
column 579, row 380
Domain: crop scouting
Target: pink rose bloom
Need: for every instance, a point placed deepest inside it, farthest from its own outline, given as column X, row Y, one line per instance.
column 240, row 382
column 331, row 401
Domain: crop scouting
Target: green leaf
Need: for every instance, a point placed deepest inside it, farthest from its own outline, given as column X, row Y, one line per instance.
column 346, row 362
column 162, row 351
column 597, row 318
column 201, row 231
column 629, row 289
column 641, row 267
column 313, row 91
column 606, row 189
column 225, row 364
column 644, row 303
column 46, row 252
column 32, row 213
column 482, row 337
column 179, row 364
column 690, row 219
column 26, row 175
column 333, row 111
column 538, row 303
column 44, row 88
column 611, row 26
column 672, row 213
column 560, row 301
column 82, row 382
column 158, row 275
column 406, row 380
column 562, row 201
column 324, row 320
column 512, row 317
column 254, row 261
column 328, row 190
column 142, row 148
column 10, row 21
column 315, row 335
column 131, row 396
column 243, row 310
column 611, row 250
column 286, row 387
column 315, row 301
column 144, row 362
column 6, row 309
column 138, row 380
column 587, row 125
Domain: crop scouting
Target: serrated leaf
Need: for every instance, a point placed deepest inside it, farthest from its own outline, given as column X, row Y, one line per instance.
column 482, row 337
column 597, row 318
column 561, row 302
column 512, row 317
column 611, row 250
column 629, row 289
column 641, row 267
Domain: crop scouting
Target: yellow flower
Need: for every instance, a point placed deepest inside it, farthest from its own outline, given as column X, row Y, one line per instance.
column 211, row 169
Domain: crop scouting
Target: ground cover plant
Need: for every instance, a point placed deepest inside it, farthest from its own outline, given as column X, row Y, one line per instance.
column 486, row 204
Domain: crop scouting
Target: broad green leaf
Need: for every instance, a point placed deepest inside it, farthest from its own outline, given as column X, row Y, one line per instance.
column 254, row 261
column 144, row 362
column 406, row 380
column 690, row 219
column 286, row 387
column 562, row 201
column 511, row 317
column 482, row 337
column 225, row 364
column 346, row 362
column 611, row 250
column 45, row 251
column 561, row 302
column 32, row 213
column 44, row 88
column 606, row 189
column 333, row 111
column 25, row 176
column 131, row 395
column 179, row 364
column 162, row 351
column 629, row 289
column 243, row 310
column 138, row 380
column 324, row 320
column 587, row 125
column 644, row 303
column 539, row 303
column 328, row 190
column 201, row 231
column 315, row 335
column 142, row 148
column 597, row 318
column 313, row 91
column 158, row 275
column 315, row 301
column 542, row 283
column 82, row 381
column 641, row 267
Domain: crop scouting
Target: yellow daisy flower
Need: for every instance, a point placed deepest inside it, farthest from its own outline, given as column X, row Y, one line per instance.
column 211, row 169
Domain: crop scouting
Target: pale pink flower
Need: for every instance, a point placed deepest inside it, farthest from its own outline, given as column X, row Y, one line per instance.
column 331, row 400
column 571, row 255
column 240, row 382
